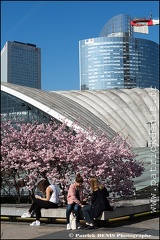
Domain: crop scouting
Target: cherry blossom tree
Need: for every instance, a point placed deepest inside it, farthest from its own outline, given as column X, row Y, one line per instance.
column 56, row 152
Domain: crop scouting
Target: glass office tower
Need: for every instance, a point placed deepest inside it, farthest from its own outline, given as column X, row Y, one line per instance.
column 21, row 64
column 118, row 60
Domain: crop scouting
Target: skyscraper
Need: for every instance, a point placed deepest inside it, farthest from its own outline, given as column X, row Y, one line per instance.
column 21, row 64
column 118, row 60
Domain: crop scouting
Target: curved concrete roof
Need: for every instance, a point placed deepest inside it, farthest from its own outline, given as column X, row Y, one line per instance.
column 144, row 156
column 119, row 110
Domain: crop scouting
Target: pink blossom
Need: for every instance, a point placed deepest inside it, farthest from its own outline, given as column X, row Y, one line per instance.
column 35, row 150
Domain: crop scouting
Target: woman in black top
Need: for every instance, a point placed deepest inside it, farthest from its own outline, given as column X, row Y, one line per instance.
column 99, row 203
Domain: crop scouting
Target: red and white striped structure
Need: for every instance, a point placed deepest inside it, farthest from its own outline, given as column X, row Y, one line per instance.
column 138, row 22
column 141, row 24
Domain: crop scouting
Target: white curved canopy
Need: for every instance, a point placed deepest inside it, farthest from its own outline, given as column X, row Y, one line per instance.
column 132, row 112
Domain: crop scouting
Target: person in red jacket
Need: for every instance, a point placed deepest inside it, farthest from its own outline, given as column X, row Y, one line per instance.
column 75, row 200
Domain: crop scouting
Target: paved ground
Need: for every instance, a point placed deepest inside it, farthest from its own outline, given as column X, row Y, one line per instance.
column 139, row 228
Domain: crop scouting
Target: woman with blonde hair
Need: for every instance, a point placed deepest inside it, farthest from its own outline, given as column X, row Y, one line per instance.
column 99, row 202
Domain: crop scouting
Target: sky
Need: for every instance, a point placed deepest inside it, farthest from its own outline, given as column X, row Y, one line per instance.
column 57, row 27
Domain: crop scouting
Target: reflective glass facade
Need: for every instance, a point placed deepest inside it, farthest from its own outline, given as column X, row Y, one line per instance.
column 117, row 26
column 14, row 109
column 117, row 59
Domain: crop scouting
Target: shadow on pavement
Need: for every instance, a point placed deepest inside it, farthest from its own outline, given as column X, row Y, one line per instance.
column 127, row 229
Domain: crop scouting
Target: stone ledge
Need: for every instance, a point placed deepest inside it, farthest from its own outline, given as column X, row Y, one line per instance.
column 127, row 209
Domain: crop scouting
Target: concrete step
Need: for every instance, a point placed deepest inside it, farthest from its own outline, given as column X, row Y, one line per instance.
column 123, row 208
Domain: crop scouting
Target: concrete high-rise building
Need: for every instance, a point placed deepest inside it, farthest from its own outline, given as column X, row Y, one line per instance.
column 21, row 64
column 116, row 59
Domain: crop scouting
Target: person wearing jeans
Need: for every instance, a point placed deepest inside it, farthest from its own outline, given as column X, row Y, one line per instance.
column 99, row 203
column 74, row 201
column 76, row 208
column 86, row 214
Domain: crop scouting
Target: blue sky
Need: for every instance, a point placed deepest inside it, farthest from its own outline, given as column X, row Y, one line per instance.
column 58, row 26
